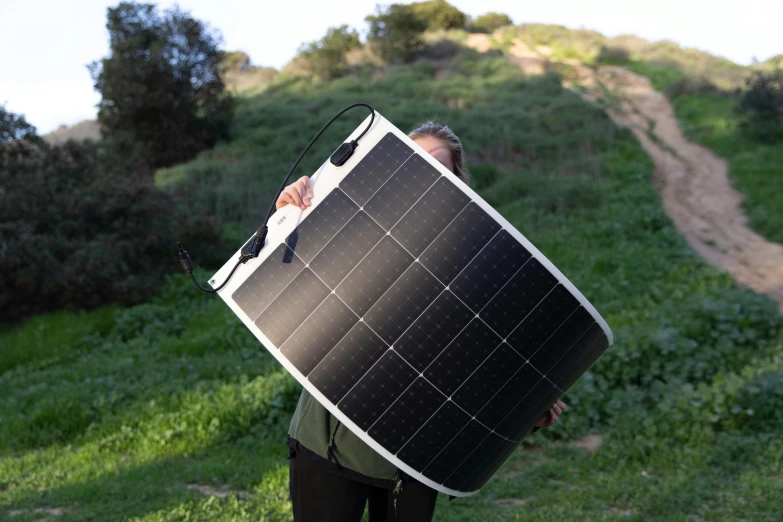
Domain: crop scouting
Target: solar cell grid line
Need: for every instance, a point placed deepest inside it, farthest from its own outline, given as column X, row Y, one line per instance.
column 490, row 376
column 371, row 367
column 596, row 345
column 445, row 397
column 515, row 389
column 347, row 362
column 363, row 403
column 412, row 365
column 372, row 171
column 413, row 311
column 477, row 283
column 442, row 426
column 421, row 376
column 318, row 334
column 455, row 451
column 288, row 251
column 429, row 216
column 518, row 297
column 543, row 321
column 324, row 222
column 344, row 252
column 267, row 281
column 511, row 424
column 528, row 258
column 480, row 463
column 461, row 356
column 417, row 343
column 431, row 272
column 509, row 407
column 395, row 310
column 569, row 334
column 373, row 276
column 406, row 415
column 285, row 313
column 401, row 192
column 459, row 243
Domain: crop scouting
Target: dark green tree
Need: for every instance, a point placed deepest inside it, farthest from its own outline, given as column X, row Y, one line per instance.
column 490, row 22
column 439, row 14
column 327, row 56
column 761, row 106
column 162, row 95
column 395, row 32
column 14, row 127
column 81, row 226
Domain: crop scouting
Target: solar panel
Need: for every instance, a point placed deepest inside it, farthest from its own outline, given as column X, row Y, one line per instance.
column 415, row 313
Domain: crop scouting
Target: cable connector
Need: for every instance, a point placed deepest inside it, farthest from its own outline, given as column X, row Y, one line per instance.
column 253, row 247
column 184, row 259
column 343, row 153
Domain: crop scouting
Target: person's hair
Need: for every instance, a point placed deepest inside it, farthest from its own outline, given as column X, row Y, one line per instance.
column 447, row 136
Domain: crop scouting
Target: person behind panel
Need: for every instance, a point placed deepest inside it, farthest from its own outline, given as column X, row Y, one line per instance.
column 333, row 474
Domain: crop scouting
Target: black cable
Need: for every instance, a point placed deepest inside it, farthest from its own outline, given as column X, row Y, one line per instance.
column 187, row 265
column 253, row 247
column 273, row 208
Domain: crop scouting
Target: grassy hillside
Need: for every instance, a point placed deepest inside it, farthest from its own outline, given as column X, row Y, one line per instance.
column 171, row 410
column 703, row 89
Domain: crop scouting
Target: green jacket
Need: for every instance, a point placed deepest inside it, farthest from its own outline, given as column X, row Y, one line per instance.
column 312, row 425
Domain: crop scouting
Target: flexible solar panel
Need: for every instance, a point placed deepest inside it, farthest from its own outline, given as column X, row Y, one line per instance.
column 415, row 313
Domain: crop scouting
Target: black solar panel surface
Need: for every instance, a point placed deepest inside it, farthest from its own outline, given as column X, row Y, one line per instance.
column 420, row 318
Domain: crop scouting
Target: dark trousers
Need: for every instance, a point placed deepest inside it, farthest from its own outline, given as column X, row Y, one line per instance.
column 320, row 495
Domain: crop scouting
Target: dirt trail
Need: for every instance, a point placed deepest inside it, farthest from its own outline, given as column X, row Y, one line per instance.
column 694, row 184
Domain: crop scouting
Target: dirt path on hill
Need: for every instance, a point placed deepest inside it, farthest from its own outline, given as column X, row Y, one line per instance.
column 694, row 184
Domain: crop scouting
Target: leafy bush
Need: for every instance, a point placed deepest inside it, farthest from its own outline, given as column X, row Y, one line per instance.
column 613, row 55
column 80, row 227
column 490, row 22
column 761, row 106
column 439, row 14
column 327, row 56
column 233, row 62
column 162, row 95
column 483, row 175
column 687, row 85
column 759, row 402
column 395, row 32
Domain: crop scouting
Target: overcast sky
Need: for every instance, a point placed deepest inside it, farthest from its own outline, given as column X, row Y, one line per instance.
column 46, row 45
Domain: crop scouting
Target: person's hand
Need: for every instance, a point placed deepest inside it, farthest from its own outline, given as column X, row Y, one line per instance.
column 298, row 193
column 551, row 416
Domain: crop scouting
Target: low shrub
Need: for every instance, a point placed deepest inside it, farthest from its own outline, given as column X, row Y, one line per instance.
column 327, row 57
column 761, row 106
column 686, row 86
column 612, row 55
column 80, row 227
column 490, row 22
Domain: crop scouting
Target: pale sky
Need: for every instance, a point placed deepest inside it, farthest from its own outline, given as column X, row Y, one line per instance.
column 46, row 45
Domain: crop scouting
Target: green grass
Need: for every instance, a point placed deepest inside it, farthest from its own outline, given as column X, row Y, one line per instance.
column 756, row 168
column 113, row 414
column 660, row 77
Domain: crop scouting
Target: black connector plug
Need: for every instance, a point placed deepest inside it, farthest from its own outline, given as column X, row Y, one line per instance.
column 343, row 153
column 253, row 247
column 184, row 259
